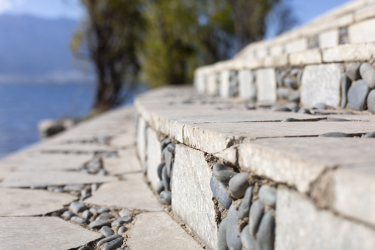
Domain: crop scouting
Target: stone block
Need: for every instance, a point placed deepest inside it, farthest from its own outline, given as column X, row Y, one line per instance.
column 349, row 52
column 296, row 46
column 253, row 63
column 362, row 32
column 301, row 226
column 153, row 157
column 329, row 39
column 321, row 84
column 266, row 85
column 246, row 84
column 224, row 83
column 276, row 61
column 277, row 50
column 192, row 195
column 200, row 83
column 212, row 84
column 312, row 56
column 364, row 13
column 141, row 139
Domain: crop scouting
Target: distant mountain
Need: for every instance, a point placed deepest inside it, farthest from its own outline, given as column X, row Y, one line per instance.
column 37, row 50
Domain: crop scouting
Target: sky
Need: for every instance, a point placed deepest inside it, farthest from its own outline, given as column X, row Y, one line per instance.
column 305, row 10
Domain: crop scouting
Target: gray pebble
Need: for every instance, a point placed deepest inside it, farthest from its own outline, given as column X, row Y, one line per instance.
column 238, row 185
column 280, row 109
column 283, row 93
column 357, row 95
column 294, row 96
column 280, row 77
column 250, row 106
column 160, row 187
column 67, row 215
column 369, row 135
column 114, row 244
column 304, row 111
column 353, row 72
column 292, row 105
column 165, row 179
column 319, row 106
column 58, row 190
column 243, row 210
column 160, row 169
column 94, row 210
column 84, row 197
column 220, row 193
column 121, row 221
column 99, row 223
column 171, row 148
column 295, row 72
column 122, row 230
column 78, row 220
column 290, row 83
column 223, row 173
column 266, row 232
column 103, row 210
column 38, row 187
column 73, row 187
column 222, row 235
column 165, row 143
column 168, row 156
column 233, row 235
column 334, row 134
column 165, row 198
column 94, row 187
column 345, row 84
column 255, row 216
column 267, row 195
column 106, row 231
column 368, row 74
column 85, row 248
column 291, row 120
column 104, row 216
column 86, row 214
column 247, row 240
column 108, row 239
column 119, row 248
column 124, row 212
column 77, row 207
column 371, row 101
column 145, row 168
column 102, row 172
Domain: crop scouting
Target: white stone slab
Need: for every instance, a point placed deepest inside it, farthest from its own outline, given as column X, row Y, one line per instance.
column 35, row 233
column 122, row 141
column 246, row 84
column 158, row 231
column 192, row 195
column 266, row 85
column 301, row 226
column 153, row 157
column 224, row 83
column 349, row 52
column 52, row 178
column 141, row 139
column 76, row 148
column 212, row 84
column 24, row 202
column 321, row 84
column 296, row 46
column 312, row 56
column 131, row 193
column 128, row 162
column 362, row 32
column 364, row 13
column 329, row 39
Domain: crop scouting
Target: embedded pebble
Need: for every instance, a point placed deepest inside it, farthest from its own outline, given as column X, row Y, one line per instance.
column 233, row 236
column 290, row 83
column 94, row 187
column 165, row 179
column 67, row 215
column 165, row 143
column 124, row 212
column 280, row 109
column 369, row 135
column 104, row 216
column 291, row 120
column 250, row 106
column 122, row 230
column 79, row 220
column 345, row 84
column 334, row 134
column 73, row 187
column 255, row 216
column 168, row 156
column 353, row 72
column 84, row 197
column 222, row 235
column 160, row 187
column 114, row 244
column 145, row 168
column 37, row 187
column 119, row 248
column 371, row 101
column 85, row 248
column 58, row 190
column 247, row 240
column 106, row 231
column 295, row 72
column 367, row 72
column 77, row 207
column 238, row 185
column 104, row 210
column 94, row 210
column 160, row 169
column 99, row 223
column 294, row 96
column 283, row 93
column 102, row 172
column 357, row 95
column 243, row 210
column 86, row 214
column 266, row 231
column 108, row 239
column 223, row 173
column 267, row 195
column 220, row 193
column 171, row 147
column 304, row 111
column 292, row 105
column 319, row 106
column 121, row 221
column 165, row 198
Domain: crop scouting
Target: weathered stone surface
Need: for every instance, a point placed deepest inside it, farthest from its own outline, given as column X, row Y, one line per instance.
column 41, row 233
column 357, row 95
column 246, row 82
column 128, row 162
column 371, row 101
column 141, row 139
column 349, row 52
column 123, row 141
column 296, row 46
column 224, row 83
column 22, row 202
column 325, row 231
column 153, row 157
column 212, row 85
column 329, row 38
column 53, row 178
column 362, row 32
column 158, row 231
column 364, row 13
column 192, row 196
column 137, row 196
column 75, row 148
column 266, row 85
column 321, row 83
column 312, row 56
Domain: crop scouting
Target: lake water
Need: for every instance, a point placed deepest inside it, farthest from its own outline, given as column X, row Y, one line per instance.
column 23, row 106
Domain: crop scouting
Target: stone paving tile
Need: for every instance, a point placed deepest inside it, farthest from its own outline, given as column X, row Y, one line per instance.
column 35, row 233
column 24, row 202
column 158, row 231
column 125, row 140
column 126, row 163
column 76, row 147
column 52, row 178
column 130, row 193
column 52, row 162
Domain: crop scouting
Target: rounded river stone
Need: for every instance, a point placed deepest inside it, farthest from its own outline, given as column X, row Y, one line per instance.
column 79, row 220
column 223, row 173
column 243, row 210
column 238, row 185
column 220, row 193
column 67, row 215
column 283, row 93
column 353, row 72
column 280, row 109
column 294, row 96
column 122, row 230
column 165, row 198
column 86, row 214
column 292, row 105
column 290, row 83
column 77, row 207
column 266, row 231
column 104, row 216
column 124, row 212
column 247, row 240
column 371, row 101
column 106, row 231
column 99, row 223
column 165, row 179
column 319, row 106
column 114, row 244
column 165, row 143
column 255, row 216
column 267, row 195
column 233, row 235
column 334, row 134
column 357, row 95
column 369, row 135
column 85, row 248
column 345, row 84
column 160, row 169
column 160, row 187
column 171, row 148
column 121, row 221
column 108, row 239
column 222, row 235
column 368, row 74
column 304, row 111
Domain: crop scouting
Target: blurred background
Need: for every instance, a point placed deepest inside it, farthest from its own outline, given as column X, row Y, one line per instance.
column 77, row 58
